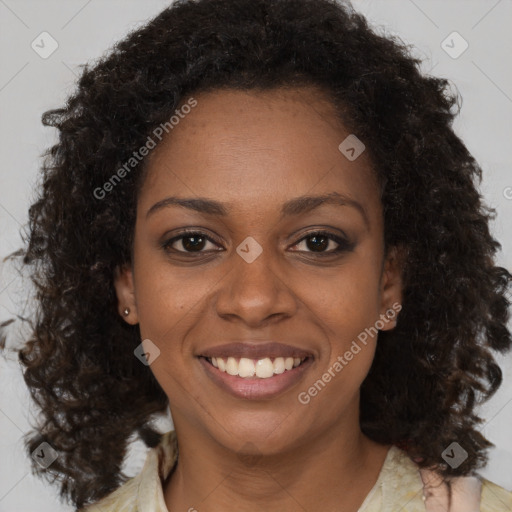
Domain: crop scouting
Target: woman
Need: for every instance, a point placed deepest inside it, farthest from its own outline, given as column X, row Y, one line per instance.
column 258, row 216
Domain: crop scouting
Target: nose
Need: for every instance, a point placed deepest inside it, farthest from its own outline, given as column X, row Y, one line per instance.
column 255, row 293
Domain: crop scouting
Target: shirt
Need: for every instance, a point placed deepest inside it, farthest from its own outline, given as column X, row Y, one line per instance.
column 401, row 485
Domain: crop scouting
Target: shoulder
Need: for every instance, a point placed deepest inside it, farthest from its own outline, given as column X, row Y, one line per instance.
column 495, row 498
column 146, row 487
column 398, row 486
column 122, row 499
column 402, row 484
column 465, row 493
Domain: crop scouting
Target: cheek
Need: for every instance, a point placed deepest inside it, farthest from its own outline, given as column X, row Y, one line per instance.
column 346, row 318
column 169, row 298
column 347, row 300
column 170, row 304
column 347, row 306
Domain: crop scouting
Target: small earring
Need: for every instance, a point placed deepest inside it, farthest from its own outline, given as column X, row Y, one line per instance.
column 126, row 311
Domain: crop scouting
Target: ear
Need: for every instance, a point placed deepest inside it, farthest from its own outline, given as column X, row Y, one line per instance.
column 391, row 287
column 125, row 291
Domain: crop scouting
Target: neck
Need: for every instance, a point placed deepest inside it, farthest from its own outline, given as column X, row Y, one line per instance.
column 328, row 472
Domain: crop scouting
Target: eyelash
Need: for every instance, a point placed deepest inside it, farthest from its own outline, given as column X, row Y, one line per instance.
column 343, row 244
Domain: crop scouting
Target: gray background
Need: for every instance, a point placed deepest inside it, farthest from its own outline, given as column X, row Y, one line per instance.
column 83, row 30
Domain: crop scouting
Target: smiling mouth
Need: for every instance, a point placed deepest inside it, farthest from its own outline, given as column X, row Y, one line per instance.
column 264, row 368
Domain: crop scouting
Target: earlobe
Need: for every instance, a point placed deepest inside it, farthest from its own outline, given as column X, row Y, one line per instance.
column 125, row 291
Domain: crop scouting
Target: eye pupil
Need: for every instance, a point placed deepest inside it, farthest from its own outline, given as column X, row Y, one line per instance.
column 316, row 245
column 198, row 243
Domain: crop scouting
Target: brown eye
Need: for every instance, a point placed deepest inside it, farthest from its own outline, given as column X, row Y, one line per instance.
column 317, row 243
column 188, row 243
column 324, row 242
column 193, row 242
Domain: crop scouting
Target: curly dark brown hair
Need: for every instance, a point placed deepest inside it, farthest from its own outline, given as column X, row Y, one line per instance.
column 429, row 373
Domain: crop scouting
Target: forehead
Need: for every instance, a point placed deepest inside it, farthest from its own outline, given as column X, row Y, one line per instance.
column 254, row 146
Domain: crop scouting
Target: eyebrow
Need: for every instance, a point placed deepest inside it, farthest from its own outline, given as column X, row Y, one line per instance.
column 295, row 206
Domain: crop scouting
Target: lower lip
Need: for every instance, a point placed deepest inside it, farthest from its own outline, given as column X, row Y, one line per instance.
column 255, row 388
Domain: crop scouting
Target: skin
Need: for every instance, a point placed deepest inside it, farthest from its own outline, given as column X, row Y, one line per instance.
column 254, row 151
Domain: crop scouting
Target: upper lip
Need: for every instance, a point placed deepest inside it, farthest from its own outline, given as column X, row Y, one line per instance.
column 255, row 350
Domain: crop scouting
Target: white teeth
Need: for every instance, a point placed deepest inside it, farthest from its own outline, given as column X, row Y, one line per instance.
column 264, row 368
column 232, row 366
column 278, row 365
column 261, row 368
column 245, row 367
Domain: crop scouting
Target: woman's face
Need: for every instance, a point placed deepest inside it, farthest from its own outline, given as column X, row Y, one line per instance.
column 260, row 173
